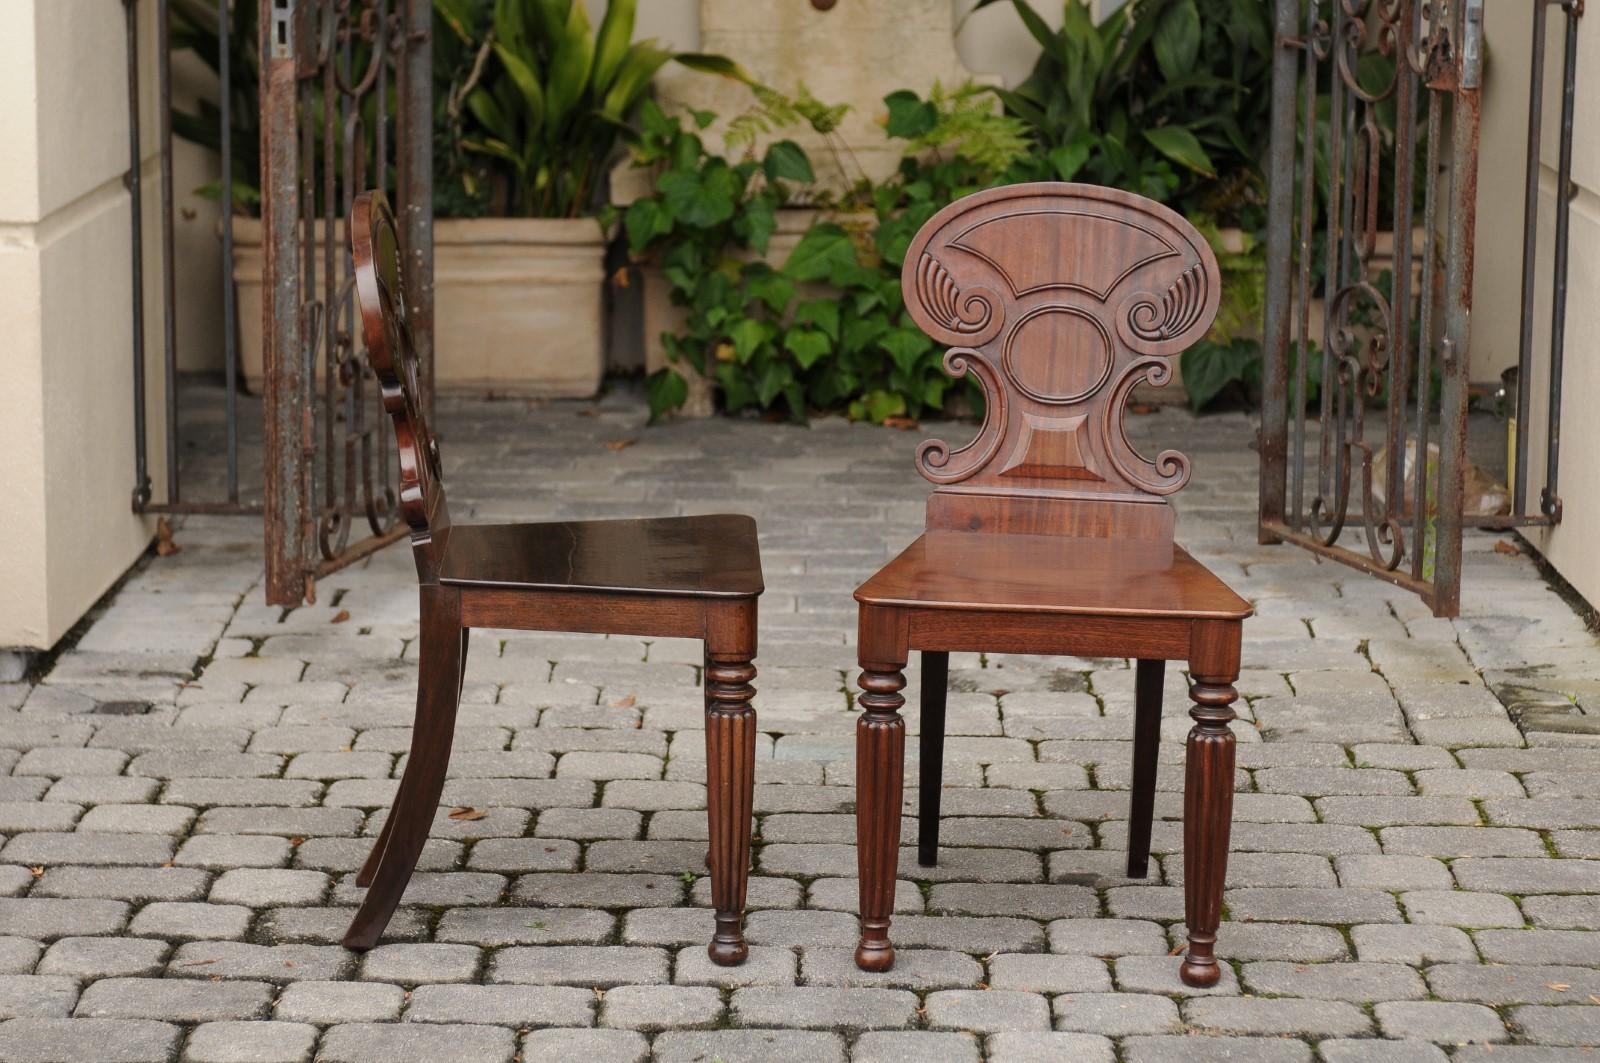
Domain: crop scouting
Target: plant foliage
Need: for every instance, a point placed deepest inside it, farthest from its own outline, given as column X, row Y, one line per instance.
column 1167, row 98
column 547, row 96
column 828, row 328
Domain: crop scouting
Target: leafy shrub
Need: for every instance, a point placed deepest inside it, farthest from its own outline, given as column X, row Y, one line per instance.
column 828, row 329
column 545, row 98
column 1167, row 98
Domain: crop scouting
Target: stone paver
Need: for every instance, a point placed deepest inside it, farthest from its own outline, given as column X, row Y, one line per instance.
column 1413, row 879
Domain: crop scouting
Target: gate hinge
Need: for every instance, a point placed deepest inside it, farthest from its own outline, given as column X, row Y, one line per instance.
column 282, row 29
column 1472, row 45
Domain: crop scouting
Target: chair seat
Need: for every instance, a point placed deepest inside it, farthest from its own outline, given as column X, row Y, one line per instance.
column 703, row 557
column 1051, row 574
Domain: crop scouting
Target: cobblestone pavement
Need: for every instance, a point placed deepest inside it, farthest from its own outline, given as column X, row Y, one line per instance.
column 1414, row 877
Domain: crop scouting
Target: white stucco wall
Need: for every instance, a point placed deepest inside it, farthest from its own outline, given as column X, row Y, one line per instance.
column 1498, row 279
column 66, row 420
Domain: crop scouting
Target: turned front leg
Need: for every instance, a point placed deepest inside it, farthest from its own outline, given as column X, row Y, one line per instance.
column 730, row 790
column 880, row 769
column 1207, row 819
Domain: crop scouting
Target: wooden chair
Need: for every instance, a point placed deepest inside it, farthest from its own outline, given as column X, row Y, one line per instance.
column 675, row 577
column 1049, row 533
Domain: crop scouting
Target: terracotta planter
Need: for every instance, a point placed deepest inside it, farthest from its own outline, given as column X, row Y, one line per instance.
column 517, row 304
column 660, row 315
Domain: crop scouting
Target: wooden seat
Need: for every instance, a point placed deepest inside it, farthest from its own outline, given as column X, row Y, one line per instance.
column 701, row 557
column 674, row 577
column 1051, row 574
column 1049, row 533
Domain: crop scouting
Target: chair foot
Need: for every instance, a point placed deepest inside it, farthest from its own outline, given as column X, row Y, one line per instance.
column 728, row 948
column 1200, row 972
column 875, row 955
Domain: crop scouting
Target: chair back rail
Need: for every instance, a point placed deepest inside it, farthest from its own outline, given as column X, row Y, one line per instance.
column 380, row 293
column 1060, row 298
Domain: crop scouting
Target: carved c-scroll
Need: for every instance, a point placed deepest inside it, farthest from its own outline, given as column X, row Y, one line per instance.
column 1171, row 468
column 934, row 455
column 972, row 316
column 1161, row 324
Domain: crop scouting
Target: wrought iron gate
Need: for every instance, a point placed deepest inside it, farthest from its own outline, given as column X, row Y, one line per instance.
column 346, row 104
column 1374, row 132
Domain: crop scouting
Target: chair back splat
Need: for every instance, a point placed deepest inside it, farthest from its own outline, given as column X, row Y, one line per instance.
column 380, row 291
column 1060, row 298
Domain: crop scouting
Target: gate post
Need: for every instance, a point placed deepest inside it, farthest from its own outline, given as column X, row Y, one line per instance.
column 1273, row 441
column 415, row 181
column 286, row 494
column 1465, row 110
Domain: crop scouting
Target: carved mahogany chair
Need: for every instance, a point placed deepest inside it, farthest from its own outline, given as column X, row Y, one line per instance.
column 675, row 577
column 1049, row 533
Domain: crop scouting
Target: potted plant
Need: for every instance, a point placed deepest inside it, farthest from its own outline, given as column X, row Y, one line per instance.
column 531, row 105
column 533, row 112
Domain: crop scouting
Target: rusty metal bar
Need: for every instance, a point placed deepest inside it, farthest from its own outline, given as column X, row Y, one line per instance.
column 169, row 296
column 414, row 179
column 230, row 312
column 1530, row 244
column 135, row 182
column 281, row 26
column 1274, row 435
column 143, row 492
column 1549, row 497
column 1314, row 543
column 1465, row 111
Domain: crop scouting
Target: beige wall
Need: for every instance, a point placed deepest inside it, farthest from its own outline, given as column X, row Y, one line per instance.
column 66, row 421
column 1497, row 288
column 991, row 41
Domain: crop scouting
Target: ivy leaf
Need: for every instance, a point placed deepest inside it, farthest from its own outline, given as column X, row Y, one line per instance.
column 1068, row 159
column 700, row 200
column 748, row 334
column 905, row 346
column 771, row 287
column 910, row 116
column 646, row 219
column 807, row 345
column 1180, row 145
column 881, row 405
column 1209, row 367
column 773, row 380
column 787, row 161
column 822, row 250
column 821, row 313
column 861, row 332
column 666, row 390
column 756, row 223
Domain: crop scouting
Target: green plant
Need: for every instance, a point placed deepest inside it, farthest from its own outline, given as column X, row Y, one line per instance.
column 548, row 103
column 193, row 27
column 1167, row 98
column 827, row 330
